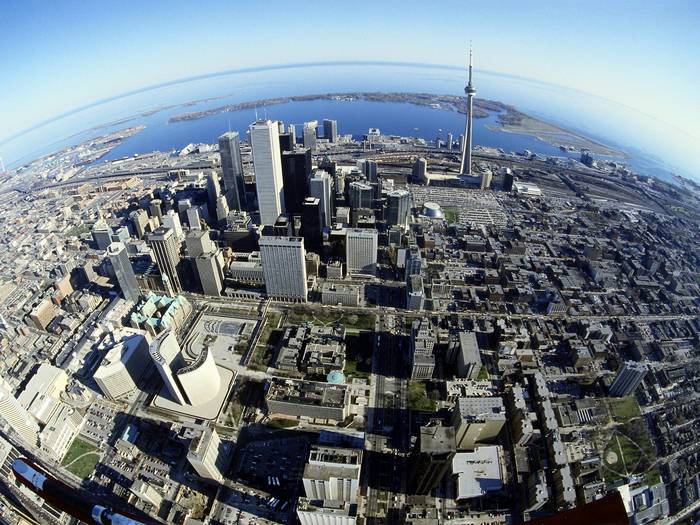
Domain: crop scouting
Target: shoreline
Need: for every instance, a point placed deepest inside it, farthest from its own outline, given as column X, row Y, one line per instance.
column 510, row 120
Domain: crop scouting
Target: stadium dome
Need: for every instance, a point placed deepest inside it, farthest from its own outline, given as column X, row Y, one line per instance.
column 432, row 210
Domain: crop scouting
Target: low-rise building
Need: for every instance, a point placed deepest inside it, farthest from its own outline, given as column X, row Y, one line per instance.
column 308, row 399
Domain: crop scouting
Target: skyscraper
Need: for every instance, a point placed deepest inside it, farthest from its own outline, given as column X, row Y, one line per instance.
column 361, row 250
column 206, row 457
column 194, row 218
column 420, row 169
column 264, row 138
column 156, row 208
column 477, row 420
column 310, row 134
column 296, row 167
column 172, row 220
column 466, row 164
column 311, row 223
column 628, row 378
column 414, row 262
column 486, row 177
column 284, row 267
column 166, row 250
column 213, row 190
column 232, row 168
column 286, row 142
column 330, row 130
column 210, row 273
column 101, row 234
column 199, row 242
column 398, row 208
column 370, row 169
column 139, row 218
column 292, row 130
column 320, row 188
column 16, row 416
column 360, row 195
column 124, row 271
column 429, row 465
column 332, row 473
column 222, row 208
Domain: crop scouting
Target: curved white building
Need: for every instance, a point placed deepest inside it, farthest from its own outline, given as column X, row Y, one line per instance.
column 165, row 352
column 200, row 380
column 189, row 384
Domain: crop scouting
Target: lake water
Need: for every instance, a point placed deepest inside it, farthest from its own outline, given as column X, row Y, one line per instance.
column 354, row 117
column 573, row 110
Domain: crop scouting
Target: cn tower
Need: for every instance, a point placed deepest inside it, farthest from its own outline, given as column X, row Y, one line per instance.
column 465, row 167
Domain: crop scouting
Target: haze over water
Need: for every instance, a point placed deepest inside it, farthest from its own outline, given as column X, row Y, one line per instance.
column 592, row 116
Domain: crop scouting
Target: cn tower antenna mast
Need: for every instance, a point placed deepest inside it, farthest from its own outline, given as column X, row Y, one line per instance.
column 465, row 167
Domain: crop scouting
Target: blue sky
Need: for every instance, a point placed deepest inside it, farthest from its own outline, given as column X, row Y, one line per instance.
column 56, row 56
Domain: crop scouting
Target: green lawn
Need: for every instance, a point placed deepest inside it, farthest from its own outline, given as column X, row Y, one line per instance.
column 326, row 316
column 418, row 397
column 358, row 355
column 624, row 408
column 282, row 423
column 451, row 215
column 633, row 442
column 262, row 353
column 77, row 231
column 84, row 466
column 77, row 448
column 483, row 373
column 351, row 370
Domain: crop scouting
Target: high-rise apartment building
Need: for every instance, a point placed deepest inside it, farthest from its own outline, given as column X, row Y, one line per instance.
column 628, row 378
column 361, row 250
column 477, row 420
column 332, row 473
column 284, row 267
column 267, row 162
column 221, row 208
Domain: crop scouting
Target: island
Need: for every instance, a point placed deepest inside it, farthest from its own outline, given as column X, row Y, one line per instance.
column 509, row 119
